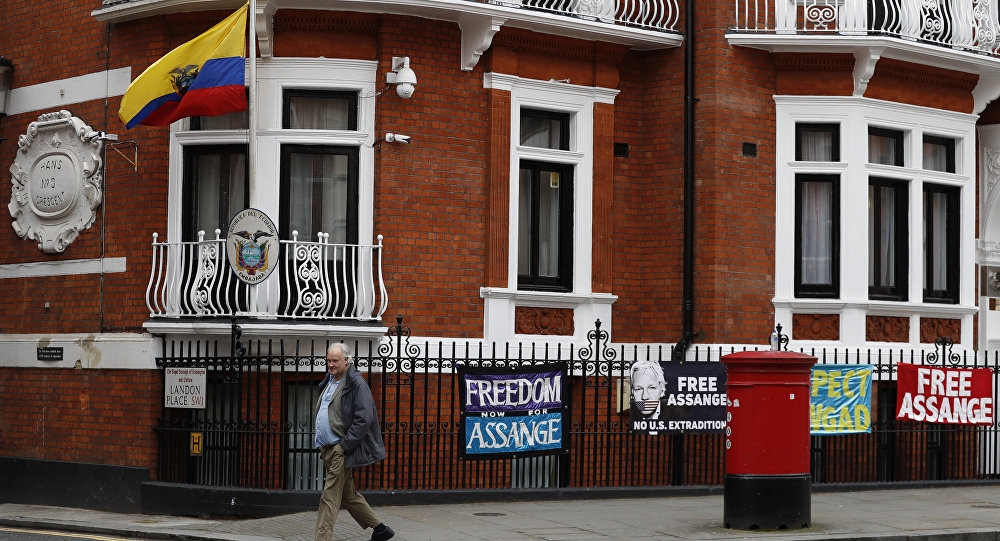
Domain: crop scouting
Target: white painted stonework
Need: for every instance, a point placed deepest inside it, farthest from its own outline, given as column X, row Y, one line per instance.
column 57, row 180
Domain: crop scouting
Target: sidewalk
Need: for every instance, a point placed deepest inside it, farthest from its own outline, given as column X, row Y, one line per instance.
column 956, row 513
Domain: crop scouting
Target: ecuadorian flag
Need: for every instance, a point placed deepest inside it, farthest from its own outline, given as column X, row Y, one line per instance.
column 203, row 77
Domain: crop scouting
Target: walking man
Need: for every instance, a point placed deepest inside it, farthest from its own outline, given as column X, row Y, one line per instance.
column 348, row 436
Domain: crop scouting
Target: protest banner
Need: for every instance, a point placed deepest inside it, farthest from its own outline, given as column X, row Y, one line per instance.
column 678, row 397
column 513, row 413
column 940, row 395
column 840, row 399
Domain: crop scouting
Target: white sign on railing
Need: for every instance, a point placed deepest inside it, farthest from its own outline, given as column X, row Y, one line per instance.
column 184, row 388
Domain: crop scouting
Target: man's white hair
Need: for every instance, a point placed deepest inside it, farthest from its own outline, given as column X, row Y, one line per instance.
column 344, row 348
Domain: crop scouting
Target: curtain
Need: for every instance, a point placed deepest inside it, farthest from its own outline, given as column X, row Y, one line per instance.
column 882, row 149
column 935, row 156
column 817, row 233
column 547, row 191
column 318, row 195
column 817, row 146
column 882, row 236
column 541, row 131
column 525, row 199
column 220, row 179
column 936, row 277
column 548, row 224
column 318, row 113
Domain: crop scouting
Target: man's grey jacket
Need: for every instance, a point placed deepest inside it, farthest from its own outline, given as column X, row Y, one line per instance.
column 362, row 439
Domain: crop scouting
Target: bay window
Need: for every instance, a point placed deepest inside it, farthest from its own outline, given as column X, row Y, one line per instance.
column 875, row 217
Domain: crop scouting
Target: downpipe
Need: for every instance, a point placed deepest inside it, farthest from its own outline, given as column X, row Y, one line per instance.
column 687, row 317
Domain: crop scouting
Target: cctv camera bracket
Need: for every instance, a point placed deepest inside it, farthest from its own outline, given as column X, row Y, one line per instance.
column 398, row 63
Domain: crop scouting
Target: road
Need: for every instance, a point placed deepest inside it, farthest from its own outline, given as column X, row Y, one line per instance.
column 23, row 534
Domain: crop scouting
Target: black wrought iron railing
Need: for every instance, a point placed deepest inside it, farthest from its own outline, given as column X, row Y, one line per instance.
column 257, row 432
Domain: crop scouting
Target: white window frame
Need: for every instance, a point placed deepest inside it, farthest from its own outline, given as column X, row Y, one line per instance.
column 578, row 101
column 855, row 115
column 274, row 75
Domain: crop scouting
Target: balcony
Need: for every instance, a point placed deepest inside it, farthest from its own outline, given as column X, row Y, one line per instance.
column 970, row 25
column 957, row 35
column 314, row 281
column 639, row 24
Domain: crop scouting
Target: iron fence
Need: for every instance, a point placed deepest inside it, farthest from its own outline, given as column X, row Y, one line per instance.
column 257, row 426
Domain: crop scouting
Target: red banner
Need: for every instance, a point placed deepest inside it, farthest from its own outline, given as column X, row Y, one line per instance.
column 944, row 395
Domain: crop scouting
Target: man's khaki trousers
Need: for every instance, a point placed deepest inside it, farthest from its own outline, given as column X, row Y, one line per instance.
column 339, row 490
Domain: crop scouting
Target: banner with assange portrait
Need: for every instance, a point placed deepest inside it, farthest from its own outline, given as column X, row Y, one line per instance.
column 931, row 394
column 677, row 397
column 841, row 399
column 513, row 412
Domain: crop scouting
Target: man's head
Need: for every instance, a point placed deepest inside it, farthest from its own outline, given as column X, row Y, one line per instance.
column 338, row 356
column 647, row 385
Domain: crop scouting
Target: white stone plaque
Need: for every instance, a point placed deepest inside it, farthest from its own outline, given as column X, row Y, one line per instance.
column 57, row 180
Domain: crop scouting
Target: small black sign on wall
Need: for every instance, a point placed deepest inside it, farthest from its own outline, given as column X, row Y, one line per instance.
column 50, row 354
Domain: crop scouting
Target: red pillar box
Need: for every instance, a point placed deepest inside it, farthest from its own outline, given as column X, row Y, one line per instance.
column 767, row 484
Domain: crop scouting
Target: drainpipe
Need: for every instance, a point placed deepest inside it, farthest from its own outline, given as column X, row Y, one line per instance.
column 689, row 207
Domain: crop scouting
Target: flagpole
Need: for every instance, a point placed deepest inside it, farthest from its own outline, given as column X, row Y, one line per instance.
column 252, row 119
column 252, row 109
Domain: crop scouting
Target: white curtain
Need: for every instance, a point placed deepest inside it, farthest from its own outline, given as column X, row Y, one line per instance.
column 540, row 132
column 524, row 223
column 936, row 157
column 317, row 113
column 212, row 187
column 816, row 146
column 817, row 233
column 318, row 195
column 882, row 215
column 882, row 149
column 937, row 208
column 548, row 224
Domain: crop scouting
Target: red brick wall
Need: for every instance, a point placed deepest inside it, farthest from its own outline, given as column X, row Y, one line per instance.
column 648, row 197
column 87, row 303
column 927, row 86
column 90, row 416
column 734, row 278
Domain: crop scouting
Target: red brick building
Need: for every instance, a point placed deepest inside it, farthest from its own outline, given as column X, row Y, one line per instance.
column 685, row 176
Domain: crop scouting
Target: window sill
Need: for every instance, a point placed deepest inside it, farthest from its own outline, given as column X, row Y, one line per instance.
column 546, row 299
column 873, row 307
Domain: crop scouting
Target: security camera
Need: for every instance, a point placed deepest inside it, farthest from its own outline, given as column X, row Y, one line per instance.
column 402, row 76
column 397, row 138
column 404, row 90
